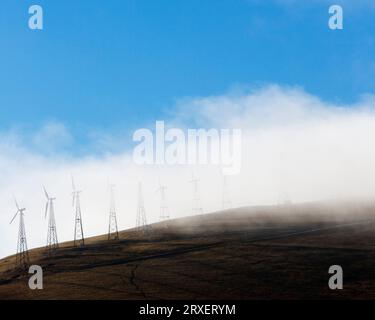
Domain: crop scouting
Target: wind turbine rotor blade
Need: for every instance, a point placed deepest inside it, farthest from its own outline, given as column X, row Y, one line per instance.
column 14, row 216
column 45, row 215
column 15, row 201
column 45, row 192
column 73, row 185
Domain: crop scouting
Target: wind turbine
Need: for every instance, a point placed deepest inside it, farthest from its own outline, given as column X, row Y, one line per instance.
column 164, row 211
column 197, row 208
column 112, row 227
column 52, row 242
column 79, row 239
column 22, row 258
column 141, row 221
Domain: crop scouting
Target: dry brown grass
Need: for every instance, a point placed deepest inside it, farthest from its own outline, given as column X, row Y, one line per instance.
column 248, row 253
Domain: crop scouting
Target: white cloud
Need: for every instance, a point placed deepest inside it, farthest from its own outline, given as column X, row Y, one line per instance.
column 52, row 136
column 296, row 147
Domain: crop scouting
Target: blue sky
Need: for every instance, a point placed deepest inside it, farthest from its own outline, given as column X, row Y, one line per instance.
column 111, row 66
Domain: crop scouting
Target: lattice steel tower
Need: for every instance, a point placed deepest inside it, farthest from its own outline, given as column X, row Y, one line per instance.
column 112, row 226
column 164, row 211
column 52, row 242
column 141, row 221
column 22, row 258
column 197, row 208
column 79, row 239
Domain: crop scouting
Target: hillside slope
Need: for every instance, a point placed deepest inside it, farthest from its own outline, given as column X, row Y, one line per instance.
column 246, row 253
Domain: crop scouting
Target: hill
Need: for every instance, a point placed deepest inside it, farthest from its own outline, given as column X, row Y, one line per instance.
column 279, row 252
